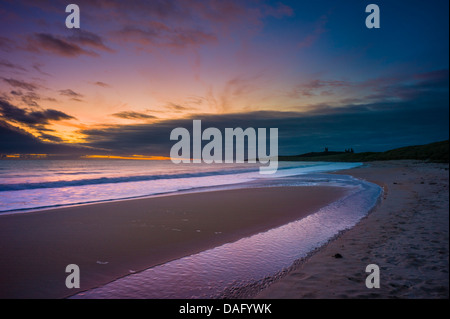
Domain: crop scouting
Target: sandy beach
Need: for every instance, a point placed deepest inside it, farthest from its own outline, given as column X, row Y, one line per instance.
column 111, row 240
column 406, row 236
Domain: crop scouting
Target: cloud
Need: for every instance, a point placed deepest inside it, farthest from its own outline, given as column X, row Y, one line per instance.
column 55, row 44
column 72, row 94
column 431, row 75
column 172, row 24
column 163, row 36
column 383, row 89
column 51, row 138
column 186, row 24
column 21, row 84
column 29, row 98
column 102, row 84
column 130, row 115
column 38, row 66
column 317, row 87
column 363, row 128
column 179, row 108
column 418, row 118
column 9, row 65
column 28, row 117
column 376, row 126
column 86, row 38
column 14, row 140
column 79, row 42
column 410, row 87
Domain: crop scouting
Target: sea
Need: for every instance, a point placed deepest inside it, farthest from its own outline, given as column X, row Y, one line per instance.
column 228, row 271
column 37, row 184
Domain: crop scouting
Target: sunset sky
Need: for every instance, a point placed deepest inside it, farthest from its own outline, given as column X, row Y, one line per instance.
column 137, row 69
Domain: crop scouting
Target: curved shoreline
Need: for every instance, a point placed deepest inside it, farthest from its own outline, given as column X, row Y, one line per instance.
column 406, row 235
column 223, row 271
column 109, row 240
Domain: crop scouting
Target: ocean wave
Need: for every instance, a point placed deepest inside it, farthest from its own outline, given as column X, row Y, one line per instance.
column 115, row 180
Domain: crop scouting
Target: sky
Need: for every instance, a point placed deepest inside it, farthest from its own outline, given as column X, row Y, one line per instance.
column 135, row 70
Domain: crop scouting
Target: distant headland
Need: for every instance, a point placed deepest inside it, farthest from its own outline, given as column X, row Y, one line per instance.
column 437, row 152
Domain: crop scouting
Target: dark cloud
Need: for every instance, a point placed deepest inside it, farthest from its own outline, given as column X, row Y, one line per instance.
column 438, row 79
column 363, row 129
column 12, row 113
column 417, row 86
column 130, row 115
column 418, row 118
column 56, row 44
column 21, row 84
column 14, row 140
column 51, row 138
column 168, row 24
column 86, row 38
column 71, row 94
column 214, row 11
column 30, row 99
column 148, row 138
column 17, row 93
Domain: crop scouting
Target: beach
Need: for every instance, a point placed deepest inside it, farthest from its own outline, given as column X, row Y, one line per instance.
column 406, row 236
column 114, row 239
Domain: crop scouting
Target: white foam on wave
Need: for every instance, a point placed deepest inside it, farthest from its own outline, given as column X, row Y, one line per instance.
column 107, row 188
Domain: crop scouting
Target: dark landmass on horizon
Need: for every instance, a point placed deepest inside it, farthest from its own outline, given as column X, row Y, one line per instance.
column 437, row 152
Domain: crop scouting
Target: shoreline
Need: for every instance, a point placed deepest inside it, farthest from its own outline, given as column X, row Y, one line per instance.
column 411, row 248
column 114, row 239
column 193, row 189
column 406, row 235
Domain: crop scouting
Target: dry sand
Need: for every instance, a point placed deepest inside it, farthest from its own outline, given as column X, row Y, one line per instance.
column 406, row 236
column 114, row 239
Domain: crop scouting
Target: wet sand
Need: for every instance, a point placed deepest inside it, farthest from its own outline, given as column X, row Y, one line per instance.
column 406, row 236
column 111, row 240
